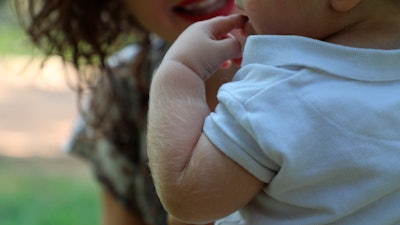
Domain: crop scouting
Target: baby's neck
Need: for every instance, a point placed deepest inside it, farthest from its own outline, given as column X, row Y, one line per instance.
column 372, row 33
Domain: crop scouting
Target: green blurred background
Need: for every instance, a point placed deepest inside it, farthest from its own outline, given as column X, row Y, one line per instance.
column 12, row 39
column 39, row 185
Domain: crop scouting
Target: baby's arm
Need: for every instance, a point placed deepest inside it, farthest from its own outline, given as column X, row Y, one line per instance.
column 196, row 182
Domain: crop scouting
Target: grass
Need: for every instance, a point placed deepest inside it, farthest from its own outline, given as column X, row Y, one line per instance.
column 36, row 191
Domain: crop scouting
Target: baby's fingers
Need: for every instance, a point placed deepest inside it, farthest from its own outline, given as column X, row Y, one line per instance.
column 223, row 25
column 230, row 47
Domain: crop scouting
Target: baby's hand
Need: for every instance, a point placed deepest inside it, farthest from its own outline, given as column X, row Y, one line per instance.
column 206, row 45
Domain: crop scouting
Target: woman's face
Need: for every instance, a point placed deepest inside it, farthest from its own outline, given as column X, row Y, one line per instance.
column 168, row 18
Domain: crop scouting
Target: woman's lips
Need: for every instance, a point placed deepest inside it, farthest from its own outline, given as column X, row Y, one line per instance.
column 197, row 10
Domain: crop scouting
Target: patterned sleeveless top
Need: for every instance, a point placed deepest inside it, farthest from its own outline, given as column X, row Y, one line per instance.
column 116, row 149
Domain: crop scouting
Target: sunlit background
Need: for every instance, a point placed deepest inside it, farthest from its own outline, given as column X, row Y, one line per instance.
column 39, row 183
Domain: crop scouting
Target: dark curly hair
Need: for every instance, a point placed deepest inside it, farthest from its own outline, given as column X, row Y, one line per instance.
column 86, row 32
column 83, row 32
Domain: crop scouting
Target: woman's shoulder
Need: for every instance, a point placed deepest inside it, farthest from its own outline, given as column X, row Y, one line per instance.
column 154, row 50
column 124, row 56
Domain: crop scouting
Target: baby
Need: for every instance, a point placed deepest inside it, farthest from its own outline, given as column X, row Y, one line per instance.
column 308, row 130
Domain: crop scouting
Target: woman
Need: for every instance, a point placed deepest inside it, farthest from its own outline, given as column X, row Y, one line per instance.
column 110, row 132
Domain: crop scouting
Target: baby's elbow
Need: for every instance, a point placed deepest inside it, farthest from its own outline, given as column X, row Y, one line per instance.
column 190, row 202
column 186, row 210
column 174, row 194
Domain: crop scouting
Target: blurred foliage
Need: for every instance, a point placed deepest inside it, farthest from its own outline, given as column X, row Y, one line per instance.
column 13, row 40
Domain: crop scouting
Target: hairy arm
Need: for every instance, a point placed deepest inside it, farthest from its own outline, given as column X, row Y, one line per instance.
column 196, row 182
